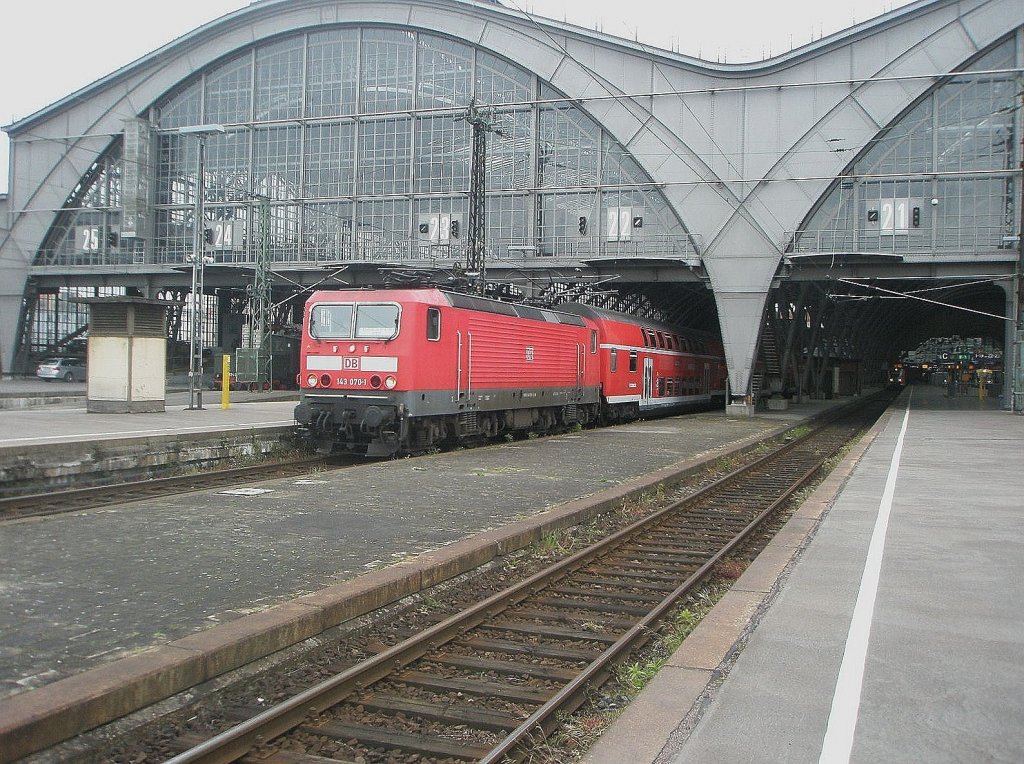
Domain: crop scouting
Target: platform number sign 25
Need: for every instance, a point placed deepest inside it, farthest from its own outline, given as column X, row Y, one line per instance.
column 87, row 238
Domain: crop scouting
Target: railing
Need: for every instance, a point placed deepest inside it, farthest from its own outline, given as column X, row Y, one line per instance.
column 974, row 239
column 386, row 249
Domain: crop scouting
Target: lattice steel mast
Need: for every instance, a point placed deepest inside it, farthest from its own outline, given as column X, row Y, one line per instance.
column 481, row 120
column 260, row 299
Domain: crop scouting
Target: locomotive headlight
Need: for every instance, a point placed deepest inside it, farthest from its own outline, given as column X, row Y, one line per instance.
column 375, row 381
column 311, row 380
column 390, row 383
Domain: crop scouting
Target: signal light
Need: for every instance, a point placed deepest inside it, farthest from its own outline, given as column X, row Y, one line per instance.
column 583, row 226
column 915, row 217
column 455, row 227
column 208, row 235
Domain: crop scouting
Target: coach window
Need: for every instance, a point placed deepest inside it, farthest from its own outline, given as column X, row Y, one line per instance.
column 376, row 322
column 633, row 356
column 661, row 340
column 661, row 387
column 614, row 361
column 433, row 324
column 593, row 341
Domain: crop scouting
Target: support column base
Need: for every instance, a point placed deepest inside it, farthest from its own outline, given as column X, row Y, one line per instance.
column 739, row 409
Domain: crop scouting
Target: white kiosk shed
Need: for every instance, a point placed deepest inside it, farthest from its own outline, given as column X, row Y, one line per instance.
column 127, row 355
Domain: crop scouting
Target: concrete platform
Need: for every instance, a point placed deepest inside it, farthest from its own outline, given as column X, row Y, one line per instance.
column 883, row 624
column 29, row 418
column 136, row 602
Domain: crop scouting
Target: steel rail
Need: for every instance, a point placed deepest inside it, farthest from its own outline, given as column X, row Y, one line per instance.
column 571, row 696
column 235, row 742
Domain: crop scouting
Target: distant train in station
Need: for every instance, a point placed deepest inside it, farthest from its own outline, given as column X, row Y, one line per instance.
column 400, row 371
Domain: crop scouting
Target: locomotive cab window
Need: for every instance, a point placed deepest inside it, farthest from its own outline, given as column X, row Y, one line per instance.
column 376, row 322
column 365, row 321
column 330, row 321
column 433, row 324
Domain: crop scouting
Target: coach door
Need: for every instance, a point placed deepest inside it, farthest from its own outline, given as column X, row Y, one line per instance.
column 648, row 390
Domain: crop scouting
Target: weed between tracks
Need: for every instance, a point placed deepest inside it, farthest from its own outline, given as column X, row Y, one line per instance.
column 578, row 731
column 348, row 646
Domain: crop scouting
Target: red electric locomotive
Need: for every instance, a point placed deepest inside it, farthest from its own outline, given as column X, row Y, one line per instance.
column 405, row 370
column 384, row 371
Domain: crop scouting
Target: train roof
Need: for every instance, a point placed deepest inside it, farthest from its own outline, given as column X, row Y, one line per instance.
column 598, row 314
column 487, row 305
column 462, row 300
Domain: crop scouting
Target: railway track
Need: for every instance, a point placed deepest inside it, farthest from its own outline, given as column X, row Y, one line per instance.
column 481, row 684
column 77, row 499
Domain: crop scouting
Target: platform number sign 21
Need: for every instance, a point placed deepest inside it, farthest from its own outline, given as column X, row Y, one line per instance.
column 895, row 216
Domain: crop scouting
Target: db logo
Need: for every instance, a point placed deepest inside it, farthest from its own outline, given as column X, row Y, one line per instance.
column 350, row 364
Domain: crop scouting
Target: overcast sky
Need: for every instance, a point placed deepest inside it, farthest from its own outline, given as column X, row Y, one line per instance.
column 52, row 48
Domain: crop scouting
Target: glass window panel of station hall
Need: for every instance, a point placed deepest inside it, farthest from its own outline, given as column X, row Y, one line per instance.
column 278, row 152
column 508, row 226
column 976, row 119
column 444, row 72
column 227, row 166
column 330, row 160
column 383, row 229
column 558, row 222
column 176, row 169
column 173, row 235
column 185, row 108
column 279, row 71
column 509, row 151
column 570, row 146
column 385, row 151
column 326, row 232
column 333, row 65
column 975, row 115
column 229, row 92
column 387, row 62
column 283, row 232
column 103, row 188
column 500, row 82
column 973, row 214
column 443, row 148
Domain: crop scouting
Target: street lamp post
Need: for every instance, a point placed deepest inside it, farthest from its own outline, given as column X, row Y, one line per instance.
column 195, row 364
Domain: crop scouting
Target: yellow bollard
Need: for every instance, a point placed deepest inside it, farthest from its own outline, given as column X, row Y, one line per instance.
column 225, row 382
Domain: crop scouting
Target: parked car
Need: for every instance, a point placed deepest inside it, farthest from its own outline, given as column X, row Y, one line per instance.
column 68, row 369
